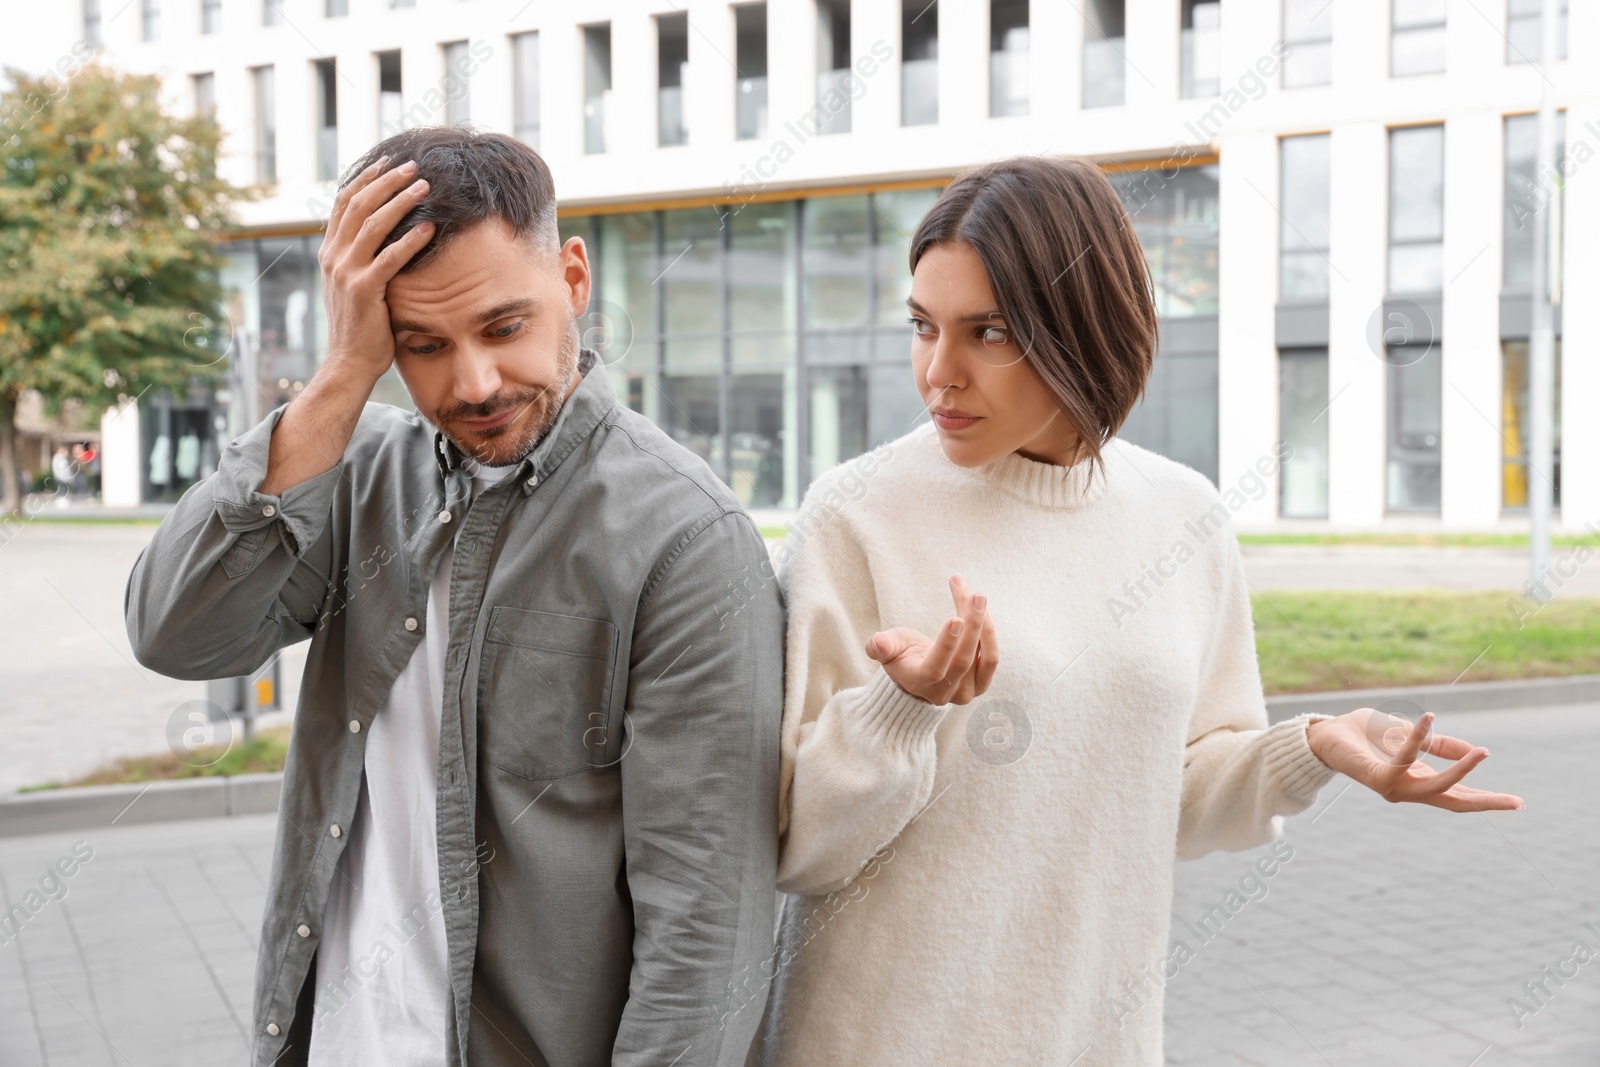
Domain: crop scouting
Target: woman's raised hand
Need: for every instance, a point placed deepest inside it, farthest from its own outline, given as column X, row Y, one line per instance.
column 953, row 668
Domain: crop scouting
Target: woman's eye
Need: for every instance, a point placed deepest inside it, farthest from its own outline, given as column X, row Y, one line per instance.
column 994, row 335
column 919, row 327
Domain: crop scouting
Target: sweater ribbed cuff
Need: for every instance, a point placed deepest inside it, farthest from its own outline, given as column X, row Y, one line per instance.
column 1290, row 762
column 897, row 719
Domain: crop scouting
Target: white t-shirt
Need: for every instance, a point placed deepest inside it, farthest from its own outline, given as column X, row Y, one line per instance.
column 383, row 977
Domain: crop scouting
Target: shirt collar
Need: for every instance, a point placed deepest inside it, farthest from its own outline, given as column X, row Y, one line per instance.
column 580, row 414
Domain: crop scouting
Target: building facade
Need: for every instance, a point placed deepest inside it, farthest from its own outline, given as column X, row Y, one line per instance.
column 1337, row 202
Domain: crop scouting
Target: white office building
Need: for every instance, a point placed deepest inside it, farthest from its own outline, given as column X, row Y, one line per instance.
column 1337, row 201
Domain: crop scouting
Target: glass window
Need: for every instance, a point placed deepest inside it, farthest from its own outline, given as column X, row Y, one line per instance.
column 205, row 95
column 761, row 268
column 336, row 9
column 626, row 266
column 271, row 13
column 1176, row 220
column 1200, row 67
column 1526, row 197
column 919, row 62
column 672, row 56
column 266, row 126
column 1008, row 57
column 897, row 214
column 691, row 286
column 1177, row 417
column 1417, row 42
column 833, row 66
column 1416, row 209
column 391, row 110
column 402, row 3
column 327, row 120
column 91, row 23
column 1308, row 30
column 1302, row 407
column 1104, row 64
column 525, row 87
column 457, row 84
column 854, row 409
column 750, row 73
column 210, row 16
column 757, row 406
column 1525, row 32
column 691, row 414
column 1415, row 395
column 838, row 260
column 1516, row 434
column 1303, row 237
column 290, row 335
column 149, row 20
column 596, row 86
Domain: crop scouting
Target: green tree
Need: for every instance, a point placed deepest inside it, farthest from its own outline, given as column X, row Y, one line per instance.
column 110, row 209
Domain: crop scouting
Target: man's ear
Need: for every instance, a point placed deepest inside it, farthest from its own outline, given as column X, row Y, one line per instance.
column 574, row 266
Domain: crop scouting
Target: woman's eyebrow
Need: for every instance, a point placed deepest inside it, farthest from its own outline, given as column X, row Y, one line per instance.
column 977, row 316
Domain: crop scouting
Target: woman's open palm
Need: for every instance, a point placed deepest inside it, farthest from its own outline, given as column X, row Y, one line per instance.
column 1383, row 753
column 954, row 668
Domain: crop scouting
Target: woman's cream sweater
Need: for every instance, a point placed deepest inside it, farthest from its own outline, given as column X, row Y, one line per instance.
column 990, row 884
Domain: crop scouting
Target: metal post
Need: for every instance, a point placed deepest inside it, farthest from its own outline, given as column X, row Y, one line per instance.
column 1546, row 292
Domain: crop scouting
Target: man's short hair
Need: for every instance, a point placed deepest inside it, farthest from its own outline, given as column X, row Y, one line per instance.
column 472, row 176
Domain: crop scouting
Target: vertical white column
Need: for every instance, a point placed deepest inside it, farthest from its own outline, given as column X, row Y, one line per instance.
column 711, row 76
column 561, row 99
column 1152, row 51
column 1357, row 276
column 1471, row 373
column 791, row 65
column 877, row 23
column 963, row 62
column 1580, row 341
column 631, row 124
column 1055, row 62
column 1247, row 372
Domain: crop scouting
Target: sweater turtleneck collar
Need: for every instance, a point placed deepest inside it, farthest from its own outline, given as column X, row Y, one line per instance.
column 1047, row 485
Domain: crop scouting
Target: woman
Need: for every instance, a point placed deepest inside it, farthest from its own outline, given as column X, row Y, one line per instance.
column 990, row 882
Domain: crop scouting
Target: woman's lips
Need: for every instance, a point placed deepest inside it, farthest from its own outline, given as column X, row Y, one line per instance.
column 953, row 422
column 491, row 422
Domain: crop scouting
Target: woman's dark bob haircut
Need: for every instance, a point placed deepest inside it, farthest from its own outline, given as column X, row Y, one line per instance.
column 1068, row 275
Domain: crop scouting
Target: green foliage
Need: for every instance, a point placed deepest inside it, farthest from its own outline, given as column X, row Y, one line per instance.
column 109, row 212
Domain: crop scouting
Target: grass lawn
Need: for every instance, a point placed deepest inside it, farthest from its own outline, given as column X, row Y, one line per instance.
column 265, row 753
column 1316, row 641
column 1412, row 540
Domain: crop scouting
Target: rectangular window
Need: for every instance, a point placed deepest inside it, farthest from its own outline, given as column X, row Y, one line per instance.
column 391, row 110
column 1516, row 434
column 1303, row 426
column 327, row 120
column 149, row 20
column 1105, row 67
column 1177, row 222
column 457, row 84
column 402, row 3
column 91, row 23
column 271, row 12
column 1527, row 196
column 525, row 88
column 596, row 85
column 335, row 9
column 750, row 73
column 205, row 94
column 1308, row 31
column 1416, row 41
column 919, row 62
column 1525, row 31
column 1303, row 237
column 1416, row 391
column 210, row 16
column 266, row 115
column 1200, row 66
column 1416, row 209
column 672, row 56
column 833, row 66
column 1008, row 57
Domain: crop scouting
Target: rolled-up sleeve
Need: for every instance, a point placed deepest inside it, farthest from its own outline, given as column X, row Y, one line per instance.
column 232, row 574
column 699, row 795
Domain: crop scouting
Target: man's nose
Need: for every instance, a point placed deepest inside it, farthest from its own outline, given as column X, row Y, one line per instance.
column 477, row 375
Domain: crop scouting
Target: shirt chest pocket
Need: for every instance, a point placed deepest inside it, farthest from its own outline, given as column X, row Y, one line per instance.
column 544, row 693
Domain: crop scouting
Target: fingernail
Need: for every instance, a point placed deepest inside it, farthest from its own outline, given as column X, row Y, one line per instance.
column 956, row 626
column 407, row 167
column 419, row 186
column 381, row 161
column 980, row 602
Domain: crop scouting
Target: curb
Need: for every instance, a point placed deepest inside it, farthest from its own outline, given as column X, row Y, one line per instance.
column 91, row 806
column 1440, row 699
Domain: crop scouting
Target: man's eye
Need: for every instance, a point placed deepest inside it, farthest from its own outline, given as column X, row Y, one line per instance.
column 423, row 350
column 508, row 331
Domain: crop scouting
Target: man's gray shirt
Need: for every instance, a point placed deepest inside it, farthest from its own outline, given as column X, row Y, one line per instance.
column 608, row 755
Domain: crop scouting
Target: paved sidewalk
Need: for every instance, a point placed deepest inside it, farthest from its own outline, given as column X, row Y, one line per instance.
column 1393, row 936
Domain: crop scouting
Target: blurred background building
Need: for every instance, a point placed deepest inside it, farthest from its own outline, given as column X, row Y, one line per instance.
column 1336, row 199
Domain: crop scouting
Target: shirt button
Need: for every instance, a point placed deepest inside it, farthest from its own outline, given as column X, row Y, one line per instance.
column 355, row 726
column 303, row 930
column 334, row 830
column 533, row 481
column 411, row 624
column 272, row 1029
column 269, row 511
column 444, row 516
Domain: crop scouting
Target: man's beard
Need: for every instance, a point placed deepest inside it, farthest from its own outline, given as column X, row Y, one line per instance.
column 509, row 444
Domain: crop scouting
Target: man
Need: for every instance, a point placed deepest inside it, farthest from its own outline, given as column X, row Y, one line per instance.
column 529, row 812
